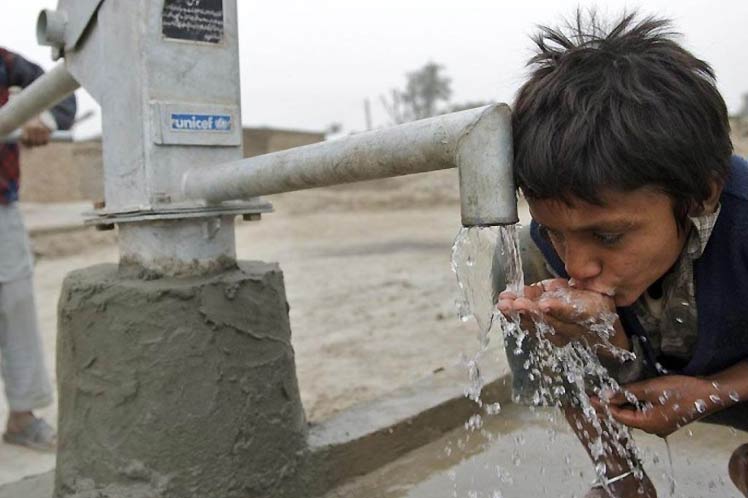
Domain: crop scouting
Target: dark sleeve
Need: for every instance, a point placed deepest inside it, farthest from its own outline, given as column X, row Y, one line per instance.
column 23, row 72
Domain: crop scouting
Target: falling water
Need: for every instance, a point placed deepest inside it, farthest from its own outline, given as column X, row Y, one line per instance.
column 472, row 261
column 573, row 370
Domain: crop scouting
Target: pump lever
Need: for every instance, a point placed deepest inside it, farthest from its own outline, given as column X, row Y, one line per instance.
column 55, row 136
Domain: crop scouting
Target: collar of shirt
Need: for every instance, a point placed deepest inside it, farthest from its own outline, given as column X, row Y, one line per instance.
column 702, row 230
column 678, row 295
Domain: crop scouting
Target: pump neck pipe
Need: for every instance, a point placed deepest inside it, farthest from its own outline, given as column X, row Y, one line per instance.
column 477, row 141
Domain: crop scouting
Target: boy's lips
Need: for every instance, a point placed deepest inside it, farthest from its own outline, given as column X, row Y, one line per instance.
column 604, row 291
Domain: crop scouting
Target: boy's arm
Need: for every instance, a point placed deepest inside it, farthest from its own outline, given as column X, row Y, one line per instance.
column 672, row 401
column 22, row 73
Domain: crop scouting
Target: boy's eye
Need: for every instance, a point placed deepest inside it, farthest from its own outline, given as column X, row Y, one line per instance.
column 551, row 235
column 608, row 239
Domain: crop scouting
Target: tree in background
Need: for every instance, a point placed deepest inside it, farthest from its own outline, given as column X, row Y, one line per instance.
column 427, row 93
column 425, row 90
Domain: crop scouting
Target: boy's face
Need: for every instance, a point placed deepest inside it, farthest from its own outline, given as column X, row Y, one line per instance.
column 618, row 249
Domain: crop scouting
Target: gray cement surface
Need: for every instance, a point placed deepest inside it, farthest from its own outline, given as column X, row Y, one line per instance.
column 176, row 387
column 37, row 486
column 530, row 454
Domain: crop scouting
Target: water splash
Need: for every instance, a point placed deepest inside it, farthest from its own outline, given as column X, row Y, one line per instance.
column 472, row 261
column 572, row 370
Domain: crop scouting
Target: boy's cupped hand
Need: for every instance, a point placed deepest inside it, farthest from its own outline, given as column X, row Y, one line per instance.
column 567, row 309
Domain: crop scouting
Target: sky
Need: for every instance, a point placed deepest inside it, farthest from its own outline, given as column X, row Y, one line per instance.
column 306, row 64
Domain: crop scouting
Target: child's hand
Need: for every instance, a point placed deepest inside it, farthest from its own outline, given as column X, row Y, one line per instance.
column 35, row 132
column 664, row 403
column 568, row 310
column 525, row 305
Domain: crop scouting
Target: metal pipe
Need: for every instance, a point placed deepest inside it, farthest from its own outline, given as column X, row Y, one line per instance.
column 485, row 159
column 471, row 140
column 43, row 93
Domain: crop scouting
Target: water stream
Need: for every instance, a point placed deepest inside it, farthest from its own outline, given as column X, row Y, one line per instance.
column 569, row 372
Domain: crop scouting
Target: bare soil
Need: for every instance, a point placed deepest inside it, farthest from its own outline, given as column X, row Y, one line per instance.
column 368, row 280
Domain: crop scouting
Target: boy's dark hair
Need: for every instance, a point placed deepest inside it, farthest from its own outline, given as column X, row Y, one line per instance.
column 619, row 109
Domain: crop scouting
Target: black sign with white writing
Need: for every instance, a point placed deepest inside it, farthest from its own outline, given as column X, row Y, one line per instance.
column 194, row 20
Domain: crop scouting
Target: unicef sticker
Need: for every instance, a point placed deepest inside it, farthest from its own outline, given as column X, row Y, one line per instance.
column 201, row 122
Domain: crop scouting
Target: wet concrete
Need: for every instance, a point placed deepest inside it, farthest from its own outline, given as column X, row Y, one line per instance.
column 522, row 453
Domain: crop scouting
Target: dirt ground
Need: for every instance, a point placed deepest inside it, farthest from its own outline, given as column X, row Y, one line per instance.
column 368, row 280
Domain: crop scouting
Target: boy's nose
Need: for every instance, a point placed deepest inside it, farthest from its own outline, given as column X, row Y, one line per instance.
column 580, row 264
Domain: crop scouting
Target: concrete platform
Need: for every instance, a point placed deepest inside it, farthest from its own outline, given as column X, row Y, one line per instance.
column 366, row 436
column 524, row 454
column 521, row 454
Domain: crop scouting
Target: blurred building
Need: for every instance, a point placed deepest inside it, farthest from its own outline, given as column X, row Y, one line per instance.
column 69, row 172
column 743, row 113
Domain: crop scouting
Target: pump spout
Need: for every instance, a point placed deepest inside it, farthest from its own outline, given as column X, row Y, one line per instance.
column 476, row 141
column 484, row 160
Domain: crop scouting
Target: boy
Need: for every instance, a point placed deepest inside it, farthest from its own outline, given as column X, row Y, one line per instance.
column 27, row 386
column 622, row 150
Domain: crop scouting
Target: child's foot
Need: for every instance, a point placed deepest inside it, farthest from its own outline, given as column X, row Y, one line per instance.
column 24, row 429
column 628, row 487
column 738, row 468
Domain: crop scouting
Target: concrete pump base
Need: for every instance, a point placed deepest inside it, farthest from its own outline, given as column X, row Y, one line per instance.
column 177, row 387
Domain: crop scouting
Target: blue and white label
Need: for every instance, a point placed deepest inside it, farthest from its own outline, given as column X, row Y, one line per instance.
column 201, row 122
column 196, row 123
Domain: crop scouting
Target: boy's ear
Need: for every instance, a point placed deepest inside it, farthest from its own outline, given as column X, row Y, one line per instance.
column 710, row 204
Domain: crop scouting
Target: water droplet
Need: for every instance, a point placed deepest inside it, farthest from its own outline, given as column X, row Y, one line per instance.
column 715, row 399
column 474, row 423
column 504, row 475
column 700, row 405
column 493, row 408
column 734, row 396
